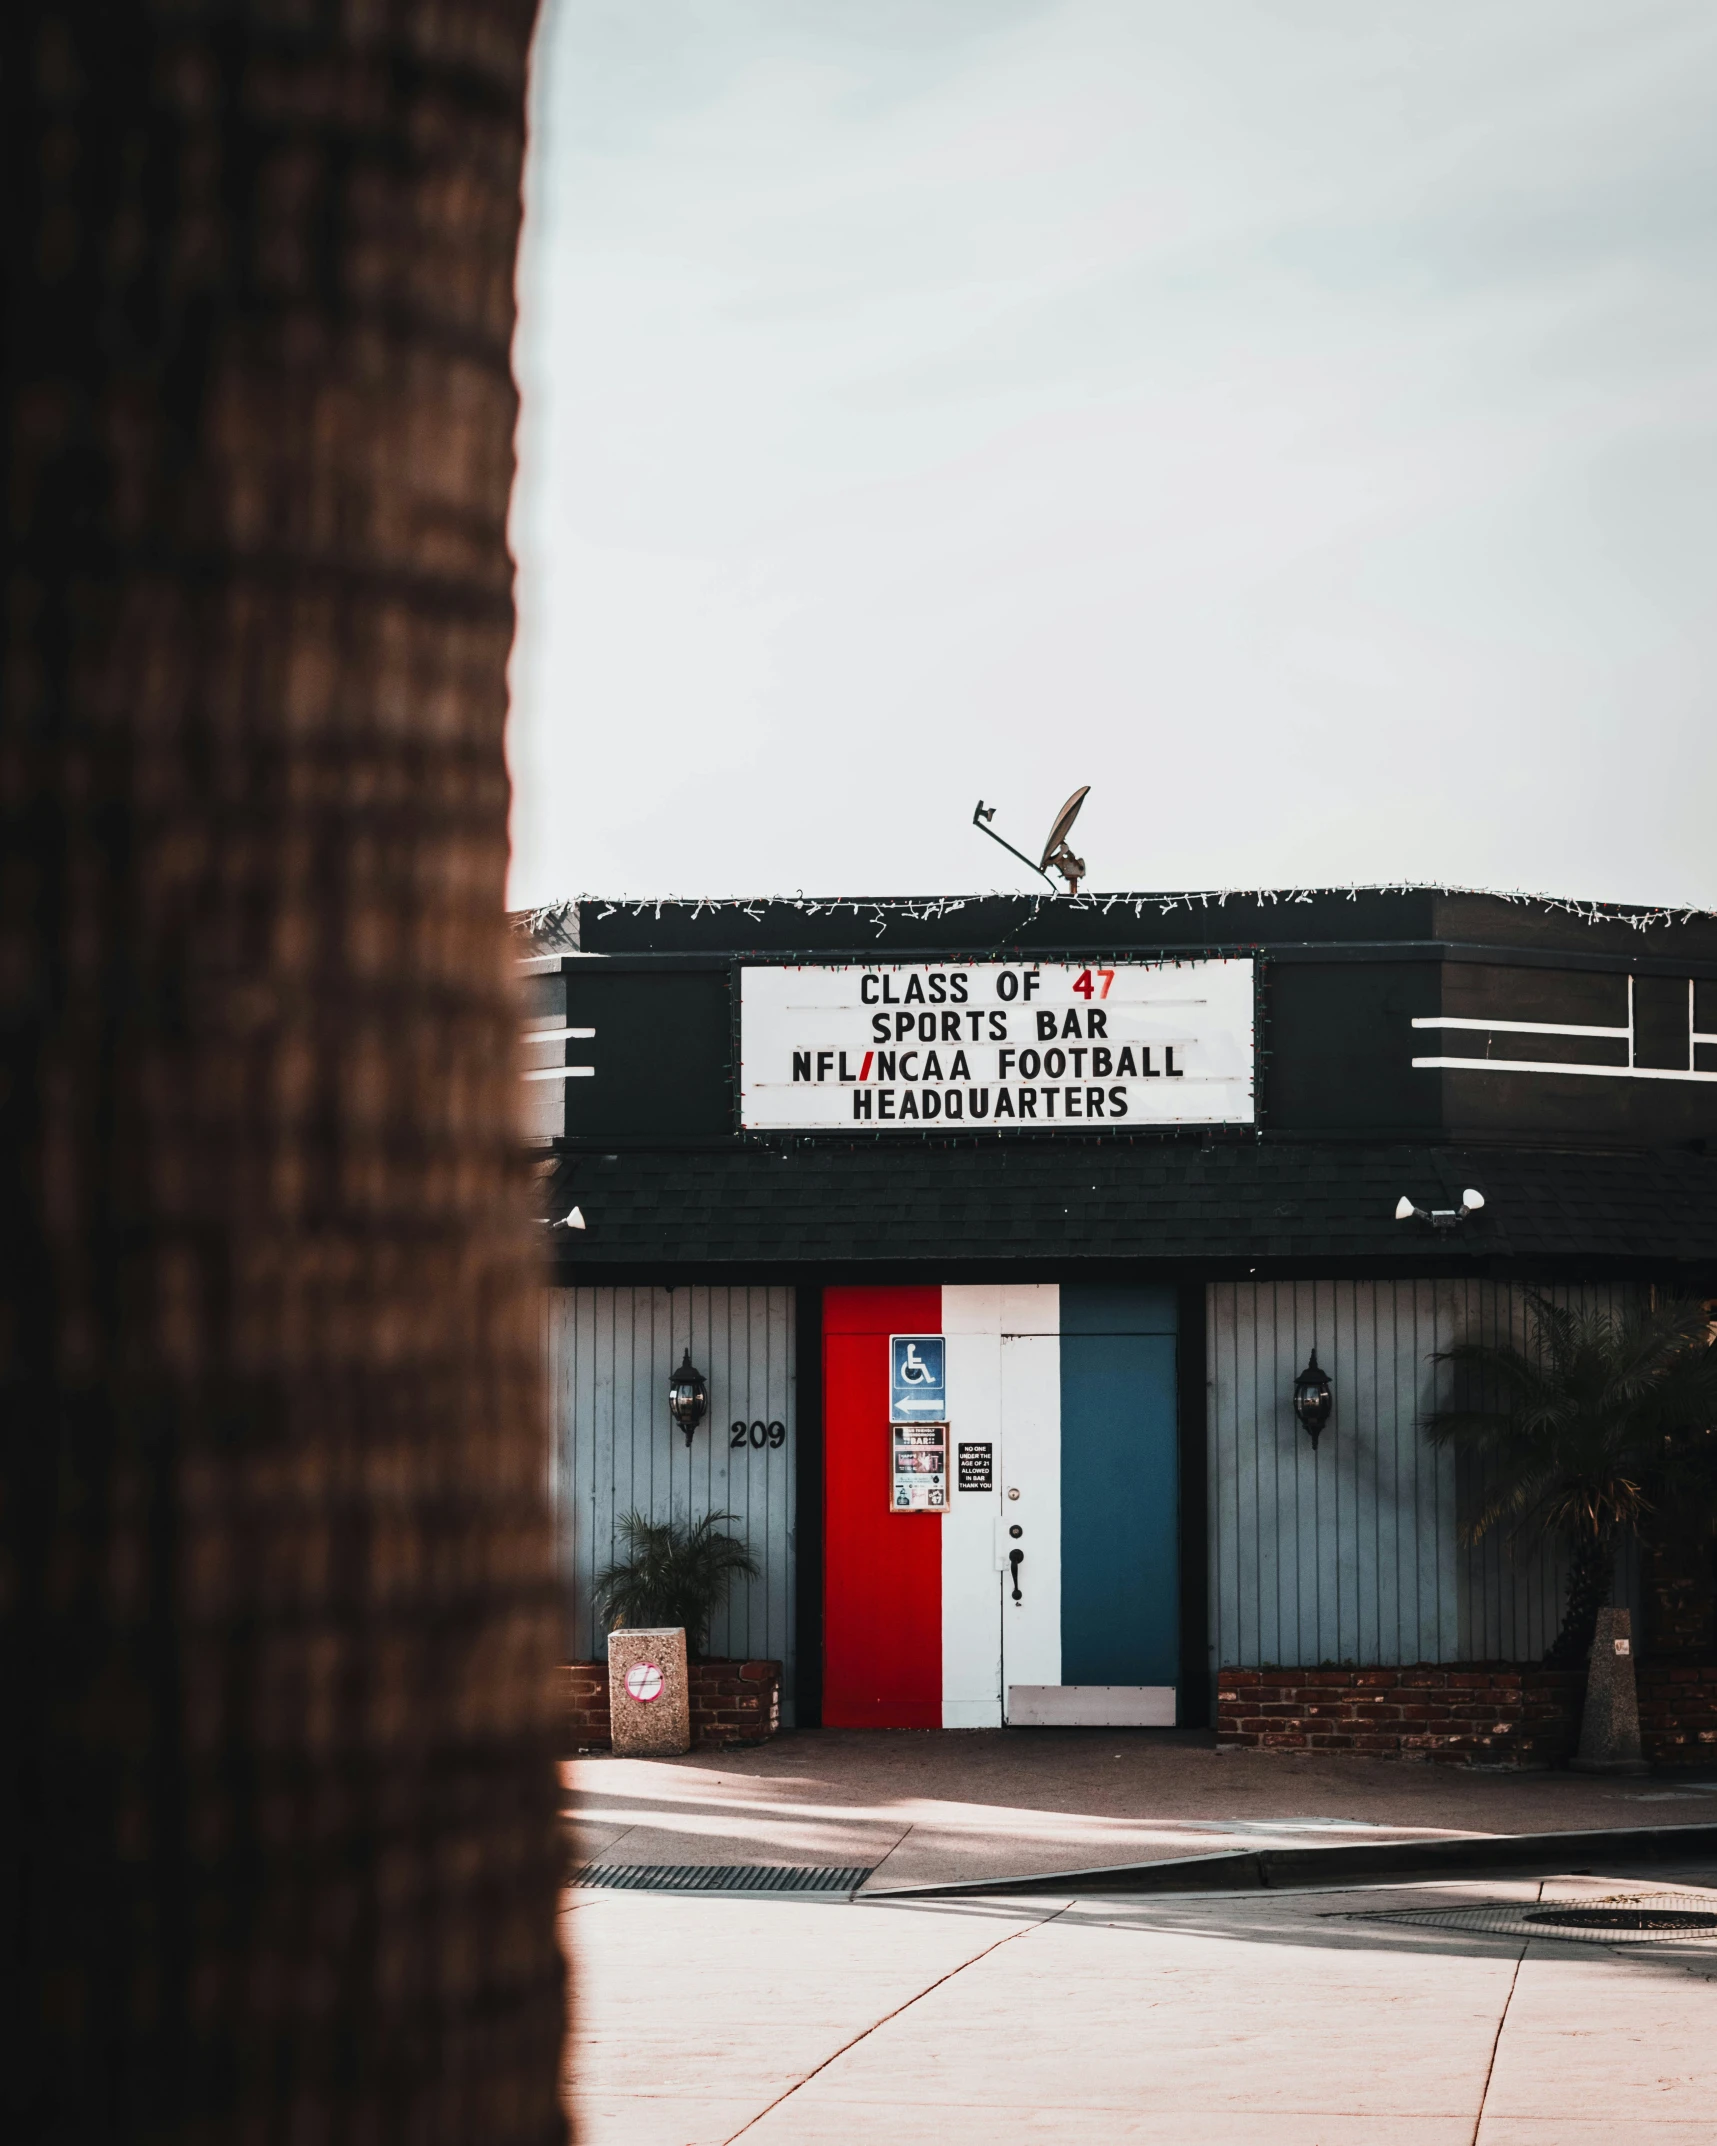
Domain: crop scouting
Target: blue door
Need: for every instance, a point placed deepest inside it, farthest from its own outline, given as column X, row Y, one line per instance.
column 1120, row 1487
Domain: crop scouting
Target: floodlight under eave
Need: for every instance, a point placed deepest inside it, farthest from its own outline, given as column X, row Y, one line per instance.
column 1404, row 1209
column 1471, row 1201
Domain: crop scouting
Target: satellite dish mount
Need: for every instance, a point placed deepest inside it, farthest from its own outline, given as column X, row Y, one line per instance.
column 1055, row 851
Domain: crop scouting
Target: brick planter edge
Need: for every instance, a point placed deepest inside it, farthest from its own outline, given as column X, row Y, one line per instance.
column 732, row 1703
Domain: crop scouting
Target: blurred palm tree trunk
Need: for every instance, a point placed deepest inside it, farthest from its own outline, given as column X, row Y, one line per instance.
column 275, row 1577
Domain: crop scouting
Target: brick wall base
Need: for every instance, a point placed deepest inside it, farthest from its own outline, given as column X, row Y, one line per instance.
column 1467, row 1714
column 732, row 1703
column 1678, row 1713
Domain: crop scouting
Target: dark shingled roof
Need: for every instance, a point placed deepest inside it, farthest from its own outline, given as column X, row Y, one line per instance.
column 1281, row 1205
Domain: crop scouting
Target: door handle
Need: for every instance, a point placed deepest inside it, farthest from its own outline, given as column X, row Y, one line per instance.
column 1016, row 1558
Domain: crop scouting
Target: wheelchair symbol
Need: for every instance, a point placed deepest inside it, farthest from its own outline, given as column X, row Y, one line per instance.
column 918, row 1377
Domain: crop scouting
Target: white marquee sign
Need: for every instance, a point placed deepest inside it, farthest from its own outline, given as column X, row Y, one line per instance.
column 981, row 1045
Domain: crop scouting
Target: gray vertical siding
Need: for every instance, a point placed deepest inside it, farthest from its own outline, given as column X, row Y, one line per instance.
column 1354, row 1554
column 615, row 1448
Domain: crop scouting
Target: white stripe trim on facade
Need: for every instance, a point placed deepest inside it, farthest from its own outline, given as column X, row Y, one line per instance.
column 1514, row 1028
column 1539, row 1065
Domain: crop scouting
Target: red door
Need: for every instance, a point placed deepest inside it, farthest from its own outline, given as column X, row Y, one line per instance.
column 882, row 1570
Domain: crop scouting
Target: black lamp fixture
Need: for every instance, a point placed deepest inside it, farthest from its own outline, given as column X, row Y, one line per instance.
column 1313, row 1399
column 688, row 1396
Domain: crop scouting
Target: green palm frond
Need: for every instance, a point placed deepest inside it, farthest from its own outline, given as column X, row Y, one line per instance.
column 1598, row 1422
column 1578, row 1434
column 674, row 1572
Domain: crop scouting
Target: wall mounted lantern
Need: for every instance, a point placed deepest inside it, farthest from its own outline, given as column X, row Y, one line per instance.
column 688, row 1396
column 1439, row 1217
column 1313, row 1399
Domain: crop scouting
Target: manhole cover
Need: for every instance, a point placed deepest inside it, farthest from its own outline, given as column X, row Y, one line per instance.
column 724, row 1877
column 1617, row 1919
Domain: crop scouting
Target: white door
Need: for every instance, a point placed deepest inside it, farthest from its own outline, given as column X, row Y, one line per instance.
column 971, row 1611
column 1028, row 1540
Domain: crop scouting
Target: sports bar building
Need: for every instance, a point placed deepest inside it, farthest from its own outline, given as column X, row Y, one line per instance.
column 1001, row 1232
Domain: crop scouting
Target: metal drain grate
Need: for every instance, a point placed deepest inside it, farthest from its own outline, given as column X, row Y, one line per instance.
column 1617, row 1919
column 725, row 1877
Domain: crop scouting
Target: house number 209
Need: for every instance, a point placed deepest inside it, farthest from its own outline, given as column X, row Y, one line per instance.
column 758, row 1435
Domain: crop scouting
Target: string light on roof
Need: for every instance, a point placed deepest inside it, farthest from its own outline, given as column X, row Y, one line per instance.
column 555, row 923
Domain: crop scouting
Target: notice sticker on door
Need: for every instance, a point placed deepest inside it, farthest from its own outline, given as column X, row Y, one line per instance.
column 977, row 1466
column 918, row 1468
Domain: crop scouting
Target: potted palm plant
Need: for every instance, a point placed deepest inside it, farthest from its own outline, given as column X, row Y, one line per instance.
column 1579, row 1435
column 658, row 1600
column 674, row 1572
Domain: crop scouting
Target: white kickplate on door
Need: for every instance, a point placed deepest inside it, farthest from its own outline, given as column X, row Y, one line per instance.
column 1091, row 1706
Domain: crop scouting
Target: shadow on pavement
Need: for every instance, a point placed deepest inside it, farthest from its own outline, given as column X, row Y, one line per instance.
column 1329, row 1921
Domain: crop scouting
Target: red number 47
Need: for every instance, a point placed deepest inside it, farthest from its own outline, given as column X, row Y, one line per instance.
column 1083, row 985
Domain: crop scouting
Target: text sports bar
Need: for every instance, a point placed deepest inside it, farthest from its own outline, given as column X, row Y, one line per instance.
column 996, row 1045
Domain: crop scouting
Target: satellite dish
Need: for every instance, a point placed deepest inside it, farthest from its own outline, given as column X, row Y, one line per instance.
column 1056, row 851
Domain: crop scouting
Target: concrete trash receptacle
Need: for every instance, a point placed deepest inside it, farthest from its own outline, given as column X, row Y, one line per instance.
column 1609, row 1727
column 649, row 1693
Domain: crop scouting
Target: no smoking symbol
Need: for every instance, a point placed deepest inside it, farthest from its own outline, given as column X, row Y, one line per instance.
column 644, row 1682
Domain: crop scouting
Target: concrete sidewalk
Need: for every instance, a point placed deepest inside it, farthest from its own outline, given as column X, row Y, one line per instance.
column 937, row 1806
column 1241, row 2020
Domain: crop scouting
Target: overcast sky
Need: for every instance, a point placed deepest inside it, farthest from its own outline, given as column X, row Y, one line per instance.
column 1295, row 418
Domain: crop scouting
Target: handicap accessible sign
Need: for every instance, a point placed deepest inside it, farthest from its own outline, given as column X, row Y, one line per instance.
column 917, row 1378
